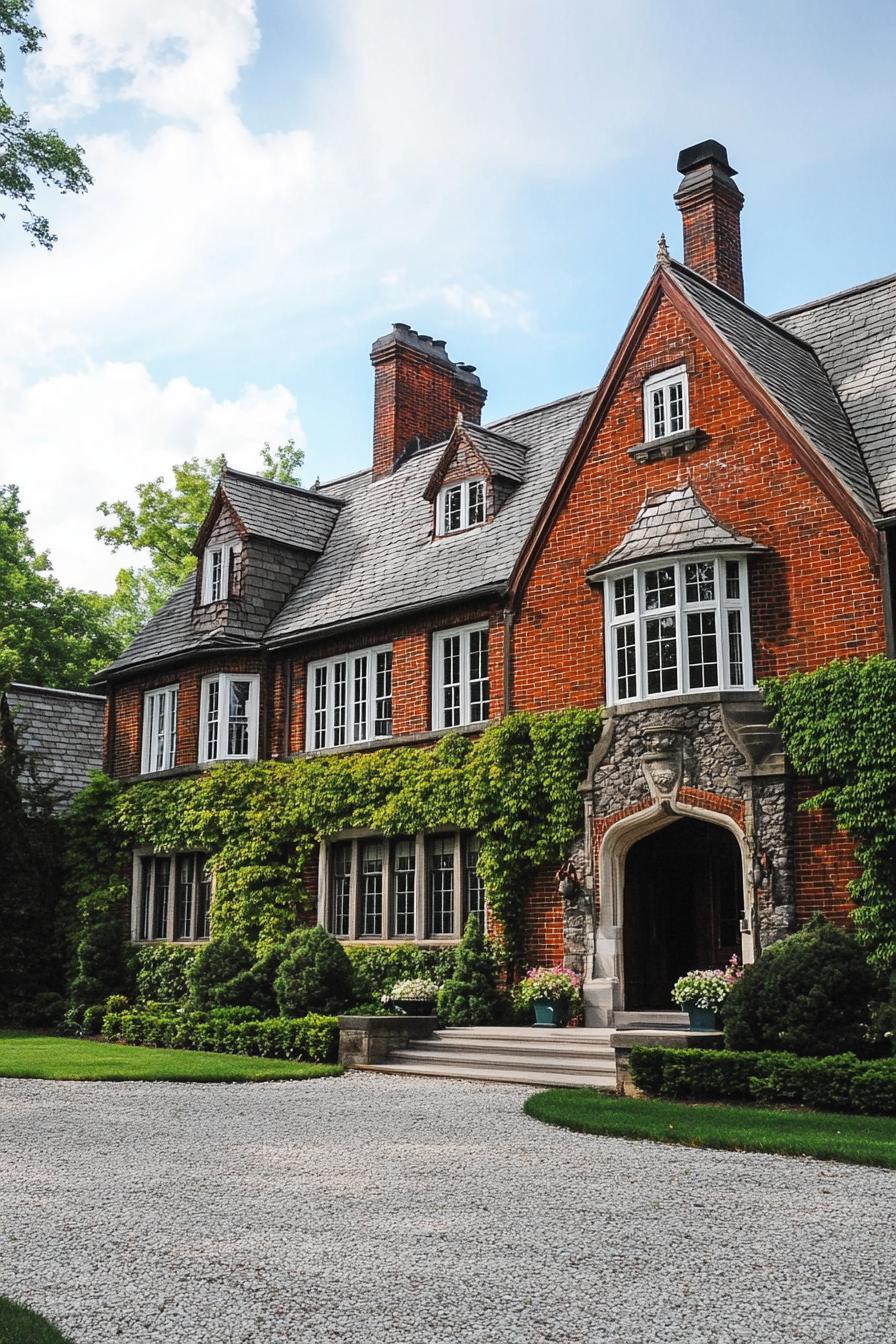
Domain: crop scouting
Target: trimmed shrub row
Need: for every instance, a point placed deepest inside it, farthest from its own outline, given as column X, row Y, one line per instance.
column 232, row 1031
column 833, row 1082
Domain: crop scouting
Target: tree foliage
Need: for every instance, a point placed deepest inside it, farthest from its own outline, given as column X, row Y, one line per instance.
column 314, row 975
column 468, row 997
column 839, row 727
column 49, row 635
column 164, row 524
column 29, row 157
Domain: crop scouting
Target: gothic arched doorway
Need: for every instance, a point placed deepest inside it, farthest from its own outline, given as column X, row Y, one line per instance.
column 683, row 901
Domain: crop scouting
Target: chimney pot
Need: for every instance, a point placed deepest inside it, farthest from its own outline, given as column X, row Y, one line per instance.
column 710, row 206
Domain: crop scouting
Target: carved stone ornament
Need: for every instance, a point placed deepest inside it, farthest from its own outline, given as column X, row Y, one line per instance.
column 662, row 765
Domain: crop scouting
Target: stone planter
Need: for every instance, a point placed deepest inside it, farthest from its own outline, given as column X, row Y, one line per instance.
column 703, row 1019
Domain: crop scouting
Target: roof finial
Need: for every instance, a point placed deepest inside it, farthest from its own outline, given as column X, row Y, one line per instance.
column 662, row 250
column 460, row 417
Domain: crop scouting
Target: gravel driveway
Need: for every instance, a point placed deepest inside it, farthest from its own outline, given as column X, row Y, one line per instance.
column 388, row 1210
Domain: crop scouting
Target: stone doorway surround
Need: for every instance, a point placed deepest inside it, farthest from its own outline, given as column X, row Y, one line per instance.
column 712, row 758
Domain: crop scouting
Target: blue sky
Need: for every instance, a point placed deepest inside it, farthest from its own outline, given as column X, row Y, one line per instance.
column 276, row 182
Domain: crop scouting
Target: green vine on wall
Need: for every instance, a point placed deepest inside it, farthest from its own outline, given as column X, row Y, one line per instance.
column 839, row 727
column 516, row 787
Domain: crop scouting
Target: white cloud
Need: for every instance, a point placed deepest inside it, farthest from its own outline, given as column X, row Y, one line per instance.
column 73, row 439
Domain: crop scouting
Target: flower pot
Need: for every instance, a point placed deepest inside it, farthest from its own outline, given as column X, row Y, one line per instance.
column 414, row 1007
column 551, row 1012
column 703, row 1019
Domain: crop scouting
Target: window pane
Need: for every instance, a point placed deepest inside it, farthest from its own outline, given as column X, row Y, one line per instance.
column 144, row 930
column 659, row 588
column 213, row 697
column 215, row 572
column 340, row 894
column 474, row 887
column 183, row 905
column 359, row 699
column 735, row 649
column 676, row 407
column 172, row 729
column 624, row 595
column 204, row 899
column 626, row 663
column 450, row 681
column 382, row 726
column 700, row 581
column 451, row 506
column 662, row 655
column 479, row 683
column 320, row 707
column 441, row 886
column 372, row 889
column 732, row 580
column 659, row 413
column 476, row 503
column 703, row 654
column 404, row 868
column 340, row 703
column 161, row 892
column 238, row 720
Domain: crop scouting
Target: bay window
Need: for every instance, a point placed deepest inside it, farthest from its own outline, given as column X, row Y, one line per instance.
column 228, row 729
column 172, row 898
column 349, row 699
column 159, row 729
column 461, row 693
column 676, row 627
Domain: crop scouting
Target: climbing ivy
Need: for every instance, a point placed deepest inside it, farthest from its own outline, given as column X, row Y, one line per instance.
column 839, row 727
column 516, row 787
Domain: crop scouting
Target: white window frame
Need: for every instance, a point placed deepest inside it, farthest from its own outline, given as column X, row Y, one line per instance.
column 463, row 632
column 663, row 383
column 720, row 604
column 143, row 857
column 160, row 702
column 227, row 550
column 465, row 490
column 351, row 731
column 466, row 886
column 224, row 680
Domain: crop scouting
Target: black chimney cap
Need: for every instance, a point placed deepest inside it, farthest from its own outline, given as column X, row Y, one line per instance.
column 708, row 151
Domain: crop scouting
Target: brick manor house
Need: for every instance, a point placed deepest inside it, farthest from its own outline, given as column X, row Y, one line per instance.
column 717, row 511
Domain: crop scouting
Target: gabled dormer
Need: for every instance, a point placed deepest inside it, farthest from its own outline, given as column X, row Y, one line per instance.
column 258, row 540
column 476, row 472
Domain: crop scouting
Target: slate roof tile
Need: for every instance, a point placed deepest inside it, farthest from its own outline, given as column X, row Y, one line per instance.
column 282, row 513
column 672, row 522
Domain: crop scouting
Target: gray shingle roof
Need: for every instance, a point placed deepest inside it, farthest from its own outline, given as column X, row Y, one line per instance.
column 794, row 376
column 504, row 457
column 854, row 336
column 170, row 632
column 670, row 522
column 281, row 513
column 60, row 734
column 381, row 559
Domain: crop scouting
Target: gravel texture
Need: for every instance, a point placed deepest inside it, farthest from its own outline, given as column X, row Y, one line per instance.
column 386, row 1210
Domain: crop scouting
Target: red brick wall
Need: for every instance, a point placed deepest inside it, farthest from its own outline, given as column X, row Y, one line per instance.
column 543, row 920
column 824, row 862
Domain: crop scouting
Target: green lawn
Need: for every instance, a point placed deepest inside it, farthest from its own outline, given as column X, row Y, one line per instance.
column 18, row 1325
column 25, row 1054
column 868, row 1139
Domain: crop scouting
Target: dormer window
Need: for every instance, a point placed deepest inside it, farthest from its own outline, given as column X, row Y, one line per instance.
column 460, row 506
column 666, row 403
column 217, row 572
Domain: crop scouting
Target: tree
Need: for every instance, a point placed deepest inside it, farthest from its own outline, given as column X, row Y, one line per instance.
column 49, row 635
column 469, row 996
column 27, row 156
column 165, row 522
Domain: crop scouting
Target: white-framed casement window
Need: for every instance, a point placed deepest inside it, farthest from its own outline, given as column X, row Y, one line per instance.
column 460, row 506
column 349, row 698
column 159, row 729
column 228, row 727
column 678, row 626
column 218, row 565
column 666, row 403
column 406, row 887
column 172, row 898
column 460, row 677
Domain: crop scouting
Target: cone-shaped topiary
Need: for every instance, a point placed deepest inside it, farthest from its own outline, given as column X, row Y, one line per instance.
column 469, row 997
column 315, row 975
column 808, row 994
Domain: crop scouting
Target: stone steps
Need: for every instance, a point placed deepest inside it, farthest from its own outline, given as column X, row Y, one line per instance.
column 546, row 1057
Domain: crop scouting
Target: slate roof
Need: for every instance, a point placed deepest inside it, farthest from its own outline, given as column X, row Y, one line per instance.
column 854, row 336
column 60, row 734
column 282, row 513
column 668, row 523
column 793, row 373
column 171, row 632
column 504, row 457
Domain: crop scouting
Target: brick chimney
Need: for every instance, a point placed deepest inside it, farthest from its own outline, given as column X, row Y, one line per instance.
column 710, row 206
column 418, row 392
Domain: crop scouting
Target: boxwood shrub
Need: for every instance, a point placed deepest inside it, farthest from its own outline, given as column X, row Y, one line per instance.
column 234, row 1031
column 831, row 1082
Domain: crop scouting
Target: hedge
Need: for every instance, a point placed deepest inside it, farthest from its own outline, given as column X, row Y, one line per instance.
column 832, row 1082
column 233, row 1031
